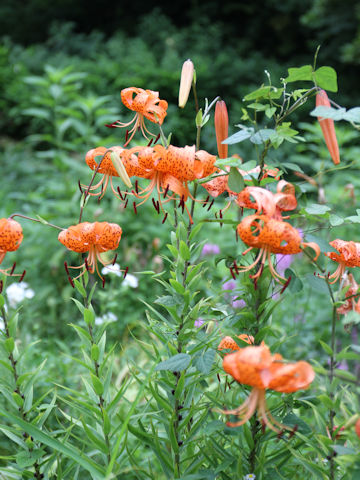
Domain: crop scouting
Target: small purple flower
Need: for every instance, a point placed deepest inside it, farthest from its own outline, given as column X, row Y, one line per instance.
column 199, row 322
column 283, row 262
column 229, row 285
column 238, row 303
column 235, row 303
column 210, row 249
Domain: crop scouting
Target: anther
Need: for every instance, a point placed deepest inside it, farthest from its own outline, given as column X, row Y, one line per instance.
column 120, row 194
column 236, row 268
column 156, row 206
column 66, row 268
column 232, row 273
column 86, row 264
column 137, row 186
column 22, row 276
column 285, row 285
column 1, row 286
column 113, row 262
column 125, row 204
column 103, row 282
column 166, row 190
column 126, row 135
column 134, row 205
column 111, row 125
column 218, row 377
column 293, row 431
column 80, row 187
column 165, row 217
column 211, row 204
column 280, row 434
column 71, row 281
column 157, row 138
column 13, row 268
column 126, row 271
column 206, row 201
column 150, row 142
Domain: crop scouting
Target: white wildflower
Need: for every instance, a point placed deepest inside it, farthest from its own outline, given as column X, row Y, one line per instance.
column 17, row 292
column 108, row 317
column 130, row 281
column 250, row 476
column 114, row 269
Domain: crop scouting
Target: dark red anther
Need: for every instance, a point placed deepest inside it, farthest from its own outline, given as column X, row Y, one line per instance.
column 156, row 205
column 328, row 275
column 236, row 236
column 22, row 276
column 125, row 204
column 206, row 201
column 221, row 216
column 255, row 283
column 157, row 138
column 115, row 258
column 86, row 264
column 165, row 217
column 263, row 426
column 150, row 142
column 126, row 135
column 120, row 194
column 111, row 125
column 103, row 282
column 280, row 434
column 13, row 268
column 232, row 273
column 211, row 204
column 293, row 431
column 236, row 268
column 286, row 284
column 126, row 271
column 1, row 286
column 218, row 377
column 134, row 206
column 166, row 190
column 71, row 281
column 66, row 268
column 80, row 187
column 137, row 186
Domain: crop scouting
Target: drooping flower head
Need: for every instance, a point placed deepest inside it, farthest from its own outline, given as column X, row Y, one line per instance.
column 228, row 343
column 146, row 104
column 352, row 301
column 348, row 256
column 11, row 236
column 95, row 238
column 270, row 236
column 169, row 169
column 257, row 367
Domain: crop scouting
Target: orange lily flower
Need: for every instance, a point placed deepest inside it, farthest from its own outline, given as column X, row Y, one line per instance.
column 11, row 236
column 348, row 256
column 228, row 343
column 270, row 236
column 221, row 119
column 256, row 367
column 350, row 303
column 219, row 184
column 146, row 104
column 95, row 238
column 128, row 159
column 328, row 128
column 170, row 169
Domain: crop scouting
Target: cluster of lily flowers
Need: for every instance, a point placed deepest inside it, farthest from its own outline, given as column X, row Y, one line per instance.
column 168, row 170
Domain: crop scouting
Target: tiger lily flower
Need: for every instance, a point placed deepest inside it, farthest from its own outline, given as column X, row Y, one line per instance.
column 146, row 104
column 228, row 343
column 103, row 156
column 257, row 367
column 352, row 303
column 328, row 128
column 348, row 256
column 95, row 238
column 170, row 169
column 270, row 235
column 11, row 236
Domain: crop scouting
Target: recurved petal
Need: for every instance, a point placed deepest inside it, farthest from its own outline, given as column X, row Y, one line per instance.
column 11, row 235
column 290, row 377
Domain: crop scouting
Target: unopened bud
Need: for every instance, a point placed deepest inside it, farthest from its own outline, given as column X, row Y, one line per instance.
column 186, row 80
column 221, row 127
column 121, row 170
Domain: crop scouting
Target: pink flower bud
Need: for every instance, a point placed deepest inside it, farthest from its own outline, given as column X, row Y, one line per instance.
column 186, row 79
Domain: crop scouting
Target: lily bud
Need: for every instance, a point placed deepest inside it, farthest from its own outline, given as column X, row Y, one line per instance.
column 186, row 80
column 328, row 128
column 221, row 127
